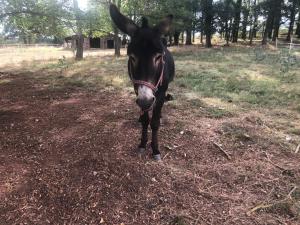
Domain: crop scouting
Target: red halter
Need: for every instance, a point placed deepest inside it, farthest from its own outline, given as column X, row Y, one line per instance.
column 154, row 88
column 148, row 84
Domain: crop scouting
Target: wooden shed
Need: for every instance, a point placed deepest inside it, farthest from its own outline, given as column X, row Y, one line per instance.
column 105, row 42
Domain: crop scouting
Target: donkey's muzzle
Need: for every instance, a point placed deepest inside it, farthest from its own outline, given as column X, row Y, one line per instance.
column 145, row 103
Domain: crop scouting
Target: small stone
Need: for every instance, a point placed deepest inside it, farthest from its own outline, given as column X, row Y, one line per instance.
column 288, row 138
column 153, row 179
column 182, row 132
column 95, row 173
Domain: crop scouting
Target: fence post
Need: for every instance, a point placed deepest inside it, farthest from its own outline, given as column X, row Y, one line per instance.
column 291, row 45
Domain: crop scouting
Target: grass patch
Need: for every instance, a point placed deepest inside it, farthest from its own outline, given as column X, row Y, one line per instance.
column 218, row 113
column 179, row 220
column 236, row 132
column 240, row 75
column 208, row 109
column 295, row 131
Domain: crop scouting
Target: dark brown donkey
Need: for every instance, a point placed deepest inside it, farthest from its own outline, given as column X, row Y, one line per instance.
column 150, row 67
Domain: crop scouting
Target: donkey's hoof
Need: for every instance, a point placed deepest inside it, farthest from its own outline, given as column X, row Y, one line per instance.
column 141, row 151
column 157, row 157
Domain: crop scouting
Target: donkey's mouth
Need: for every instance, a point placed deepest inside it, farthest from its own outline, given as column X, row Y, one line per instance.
column 145, row 104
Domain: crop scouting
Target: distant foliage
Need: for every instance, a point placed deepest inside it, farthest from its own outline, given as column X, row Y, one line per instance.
column 233, row 20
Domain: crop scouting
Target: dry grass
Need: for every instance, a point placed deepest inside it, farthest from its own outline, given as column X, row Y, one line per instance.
column 12, row 56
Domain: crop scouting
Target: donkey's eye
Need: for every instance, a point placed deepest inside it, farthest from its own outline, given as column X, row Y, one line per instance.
column 158, row 58
column 132, row 58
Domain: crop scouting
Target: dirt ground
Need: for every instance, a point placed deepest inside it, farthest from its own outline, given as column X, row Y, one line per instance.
column 68, row 157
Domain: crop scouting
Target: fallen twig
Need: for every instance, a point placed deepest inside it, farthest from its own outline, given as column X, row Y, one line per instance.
column 222, row 150
column 291, row 192
column 297, row 149
column 266, row 206
column 166, row 155
column 274, row 164
column 260, row 206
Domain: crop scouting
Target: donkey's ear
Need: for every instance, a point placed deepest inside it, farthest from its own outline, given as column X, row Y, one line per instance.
column 122, row 22
column 164, row 26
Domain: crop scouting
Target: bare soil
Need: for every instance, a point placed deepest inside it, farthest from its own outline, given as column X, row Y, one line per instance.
column 67, row 156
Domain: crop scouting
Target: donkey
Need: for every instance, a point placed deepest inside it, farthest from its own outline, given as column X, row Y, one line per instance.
column 150, row 68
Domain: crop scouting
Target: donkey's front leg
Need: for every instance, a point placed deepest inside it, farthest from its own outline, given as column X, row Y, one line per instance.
column 155, row 123
column 144, row 119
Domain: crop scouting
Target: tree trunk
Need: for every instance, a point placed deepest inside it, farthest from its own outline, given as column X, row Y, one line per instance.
column 254, row 30
column 298, row 25
column 188, row 40
column 292, row 20
column 201, row 30
column 230, row 29
column 24, row 39
column 182, row 37
column 176, row 37
column 227, row 35
column 79, row 36
column 79, row 47
column 208, row 20
column 270, row 29
column 117, row 45
column 117, row 42
column 237, row 18
column 277, row 18
column 245, row 21
column 268, row 25
column 193, row 36
column 201, row 38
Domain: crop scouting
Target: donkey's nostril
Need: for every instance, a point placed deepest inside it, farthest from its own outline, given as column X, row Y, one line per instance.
column 145, row 104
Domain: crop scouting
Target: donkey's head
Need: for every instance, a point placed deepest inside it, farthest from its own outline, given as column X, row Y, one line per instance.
column 146, row 55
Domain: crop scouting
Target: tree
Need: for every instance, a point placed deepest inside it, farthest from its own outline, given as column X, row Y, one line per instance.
column 298, row 23
column 277, row 18
column 269, row 8
column 190, row 18
column 225, row 12
column 254, row 18
column 246, row 12
column 207, row 6
column 28, row 20
column 293, row 5
column 116, row 33
column 79, row 35
column 237, row 18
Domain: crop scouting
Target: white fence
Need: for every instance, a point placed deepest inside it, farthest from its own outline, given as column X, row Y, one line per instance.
column 290, row 45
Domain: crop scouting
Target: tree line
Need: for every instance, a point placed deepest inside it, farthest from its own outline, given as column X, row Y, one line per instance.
column 31, row 20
